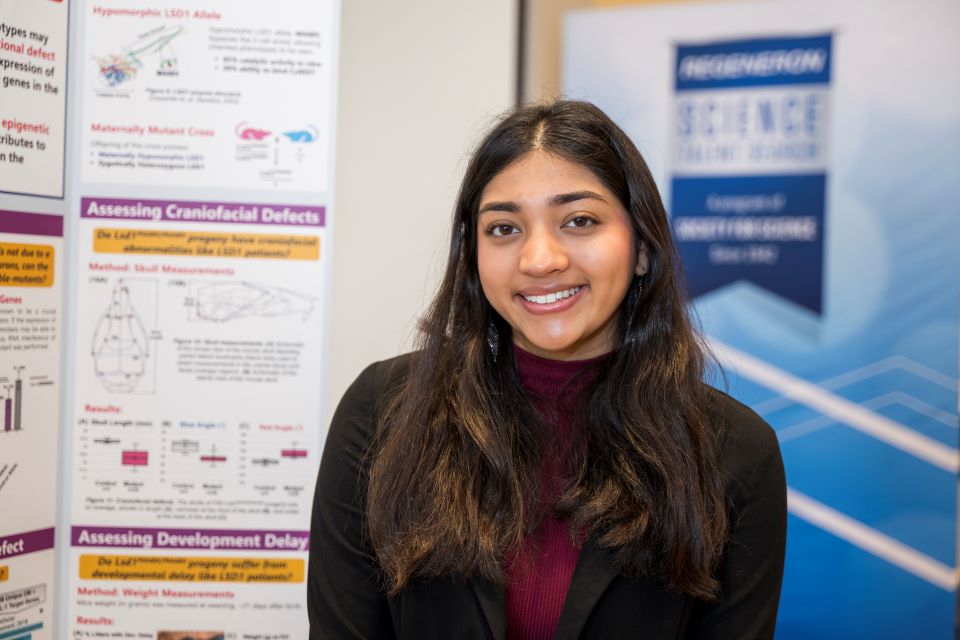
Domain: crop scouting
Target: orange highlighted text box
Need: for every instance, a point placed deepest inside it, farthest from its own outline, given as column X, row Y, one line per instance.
column 205, row 244
column 26, row 265
column 191, row 569
column 4, row 573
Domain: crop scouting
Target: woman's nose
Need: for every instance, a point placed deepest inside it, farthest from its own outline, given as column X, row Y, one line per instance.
column 542, row 254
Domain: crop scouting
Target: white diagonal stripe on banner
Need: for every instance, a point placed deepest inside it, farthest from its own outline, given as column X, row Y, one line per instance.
column 916, row 404
column 894, row 397
column 871, row 540
column 841, row 409
column 934, row 376
column 804, row 428
column 868, row 371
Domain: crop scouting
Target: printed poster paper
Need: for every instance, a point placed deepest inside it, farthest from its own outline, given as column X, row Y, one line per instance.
column 33, row 82
column 226, row 94
column 31, row 251
column 202, row 238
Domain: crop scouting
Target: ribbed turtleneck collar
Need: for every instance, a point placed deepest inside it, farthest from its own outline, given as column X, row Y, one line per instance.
column 549, row 379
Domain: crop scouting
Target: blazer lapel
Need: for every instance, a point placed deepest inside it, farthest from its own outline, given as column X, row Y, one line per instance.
column 592, row 576
column 493, row 602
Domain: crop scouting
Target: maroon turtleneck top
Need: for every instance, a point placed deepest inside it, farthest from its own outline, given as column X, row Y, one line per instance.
column 541, row 570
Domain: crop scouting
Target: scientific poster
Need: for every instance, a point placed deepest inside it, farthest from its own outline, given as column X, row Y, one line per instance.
column 811, row 176
column 195, row 436
column 31, row 250
column 33, row 82
column 221, row 94
column 201, row 222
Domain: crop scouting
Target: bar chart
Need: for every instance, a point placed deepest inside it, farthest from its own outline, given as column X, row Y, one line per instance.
column 12, row 402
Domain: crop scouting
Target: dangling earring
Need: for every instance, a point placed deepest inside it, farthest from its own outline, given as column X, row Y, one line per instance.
column 493, row 339
column 632, row 302
column 633, row 293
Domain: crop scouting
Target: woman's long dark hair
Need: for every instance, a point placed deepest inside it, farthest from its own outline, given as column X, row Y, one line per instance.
column 455, row 471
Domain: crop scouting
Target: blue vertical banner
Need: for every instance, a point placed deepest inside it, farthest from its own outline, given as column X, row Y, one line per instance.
column 750, row 161
column 811, row 179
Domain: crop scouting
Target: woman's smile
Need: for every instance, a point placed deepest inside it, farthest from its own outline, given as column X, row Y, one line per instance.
column 551, row 302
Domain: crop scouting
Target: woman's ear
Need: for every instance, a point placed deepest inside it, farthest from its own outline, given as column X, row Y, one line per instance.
column 643, row 260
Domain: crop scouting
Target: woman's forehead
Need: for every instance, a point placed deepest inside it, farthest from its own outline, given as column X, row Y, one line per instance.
column 541, row 175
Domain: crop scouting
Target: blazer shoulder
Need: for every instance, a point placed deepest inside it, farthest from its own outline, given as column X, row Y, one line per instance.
column 360, row 406
column 747, row 441
column 739, row 424
column 390, row 372
column 377, row 378
column 751, row 567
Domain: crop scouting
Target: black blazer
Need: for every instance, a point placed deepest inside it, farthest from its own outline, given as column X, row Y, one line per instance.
column 345, row 599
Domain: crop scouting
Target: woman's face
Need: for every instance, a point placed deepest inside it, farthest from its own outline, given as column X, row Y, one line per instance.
column 556, row 255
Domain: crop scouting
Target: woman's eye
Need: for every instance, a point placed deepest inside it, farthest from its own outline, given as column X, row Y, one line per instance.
column 580, row 222
column 501, row 230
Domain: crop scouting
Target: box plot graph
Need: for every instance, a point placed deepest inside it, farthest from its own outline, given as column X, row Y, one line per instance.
column 213, row 457
column 114, row 450
column 199, row 455
column 269, row 460
column 134, row 457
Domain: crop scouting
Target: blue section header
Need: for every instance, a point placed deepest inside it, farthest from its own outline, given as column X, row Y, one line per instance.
column 767, row 230
column 754, row 63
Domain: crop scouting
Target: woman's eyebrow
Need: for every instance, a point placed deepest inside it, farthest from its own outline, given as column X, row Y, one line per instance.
column 573, row 196
column 553, row 201
column 505, row 206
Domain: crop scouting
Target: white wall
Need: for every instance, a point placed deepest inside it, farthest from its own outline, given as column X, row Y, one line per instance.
column 420, row 81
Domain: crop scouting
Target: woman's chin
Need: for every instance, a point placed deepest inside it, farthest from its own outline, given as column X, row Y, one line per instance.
column 561, row 348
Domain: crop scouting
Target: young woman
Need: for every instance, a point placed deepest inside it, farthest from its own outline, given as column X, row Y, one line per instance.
column 549, row 463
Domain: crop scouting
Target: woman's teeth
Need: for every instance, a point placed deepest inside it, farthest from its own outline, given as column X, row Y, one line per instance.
column 552, row 297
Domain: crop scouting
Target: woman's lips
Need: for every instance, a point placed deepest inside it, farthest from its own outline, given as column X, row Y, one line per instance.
column 561, row 300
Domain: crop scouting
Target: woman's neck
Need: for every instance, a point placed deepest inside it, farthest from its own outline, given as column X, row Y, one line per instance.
column 553, row 380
